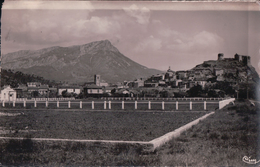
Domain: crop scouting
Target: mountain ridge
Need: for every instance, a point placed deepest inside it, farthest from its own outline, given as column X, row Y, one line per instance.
column 78, row 63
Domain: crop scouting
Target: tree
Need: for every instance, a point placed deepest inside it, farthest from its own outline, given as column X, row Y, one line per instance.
column 65, row 94
column 113, row 91
column 212, row 93
column 35, row 94
column 195, row 91
column 80, row 96
column 164, row 93
column 180, row 94
column 8, row 77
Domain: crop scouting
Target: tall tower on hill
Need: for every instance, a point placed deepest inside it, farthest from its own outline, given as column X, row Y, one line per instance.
column 246, row 60
column 242, row 58
column 238, row 57
column 220, row 56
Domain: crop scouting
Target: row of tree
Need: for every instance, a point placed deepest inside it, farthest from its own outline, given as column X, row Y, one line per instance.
column 12, row 78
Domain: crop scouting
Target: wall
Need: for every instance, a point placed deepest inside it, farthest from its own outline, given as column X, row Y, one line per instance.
column 223, row 103
column 176, row 133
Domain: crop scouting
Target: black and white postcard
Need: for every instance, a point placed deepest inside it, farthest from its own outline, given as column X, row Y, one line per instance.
column 132, row 83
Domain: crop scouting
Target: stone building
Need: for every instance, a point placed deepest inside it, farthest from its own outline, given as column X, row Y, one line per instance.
column 69, row 89
column 170, row 75
column 219, row 71
column 242, row 58
column 8, row 94
column 93, row 91
column 181, row 74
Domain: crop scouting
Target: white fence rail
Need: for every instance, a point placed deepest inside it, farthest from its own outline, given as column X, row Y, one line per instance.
column 118, row 105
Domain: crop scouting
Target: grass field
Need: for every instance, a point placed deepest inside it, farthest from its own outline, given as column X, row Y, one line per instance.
column 220, row 140
column 94, row 125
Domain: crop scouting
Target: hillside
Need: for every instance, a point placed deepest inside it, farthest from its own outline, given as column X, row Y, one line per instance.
column 14, row 79
column 77, row 64
column 233, row 70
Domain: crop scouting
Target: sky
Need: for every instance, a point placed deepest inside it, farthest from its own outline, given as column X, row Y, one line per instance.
column 154, row 34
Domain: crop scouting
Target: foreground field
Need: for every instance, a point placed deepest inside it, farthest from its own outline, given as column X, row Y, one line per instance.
column 222, row 139
column 94, row 125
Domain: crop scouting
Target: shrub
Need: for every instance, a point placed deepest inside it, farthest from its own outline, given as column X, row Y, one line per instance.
column 17, row 146
column 242, row 107
column 213, row 136
column 246, row 109
column 224, row 137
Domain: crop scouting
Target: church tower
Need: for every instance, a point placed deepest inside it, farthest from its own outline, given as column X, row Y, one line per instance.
column 97, row 80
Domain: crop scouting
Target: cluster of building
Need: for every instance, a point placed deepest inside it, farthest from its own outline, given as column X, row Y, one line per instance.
column 208, row 73
column 36, row 90
column 205, row 75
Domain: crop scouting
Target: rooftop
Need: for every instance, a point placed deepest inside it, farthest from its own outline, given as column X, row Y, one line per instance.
column 93, row 87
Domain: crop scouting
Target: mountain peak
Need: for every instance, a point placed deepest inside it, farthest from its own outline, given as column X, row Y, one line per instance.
column 78, row 63
column 105, row 45
column 106, row 41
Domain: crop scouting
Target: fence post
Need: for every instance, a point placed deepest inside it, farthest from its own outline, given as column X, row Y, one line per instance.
column 123, row 105
column 35, row 104
column 109, row 105
column 177, row 105
column 93, row 105
column 3, row 103
column 105, row 105
column 80, row 104
column 190, row 105
column 24, row 103
column 58, row 104
column 135, row 104
column 149, row 105
column 205, row 105
column 46, row 103
column 162, row 105
column 13, row 103
column 68, row 104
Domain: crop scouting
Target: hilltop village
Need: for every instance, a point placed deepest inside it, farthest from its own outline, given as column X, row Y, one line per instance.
column 213, row 78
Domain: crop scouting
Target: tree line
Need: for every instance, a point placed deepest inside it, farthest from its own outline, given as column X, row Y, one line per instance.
column 16, row 78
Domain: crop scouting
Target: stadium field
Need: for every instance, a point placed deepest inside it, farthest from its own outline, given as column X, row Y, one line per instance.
column 133, row 125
